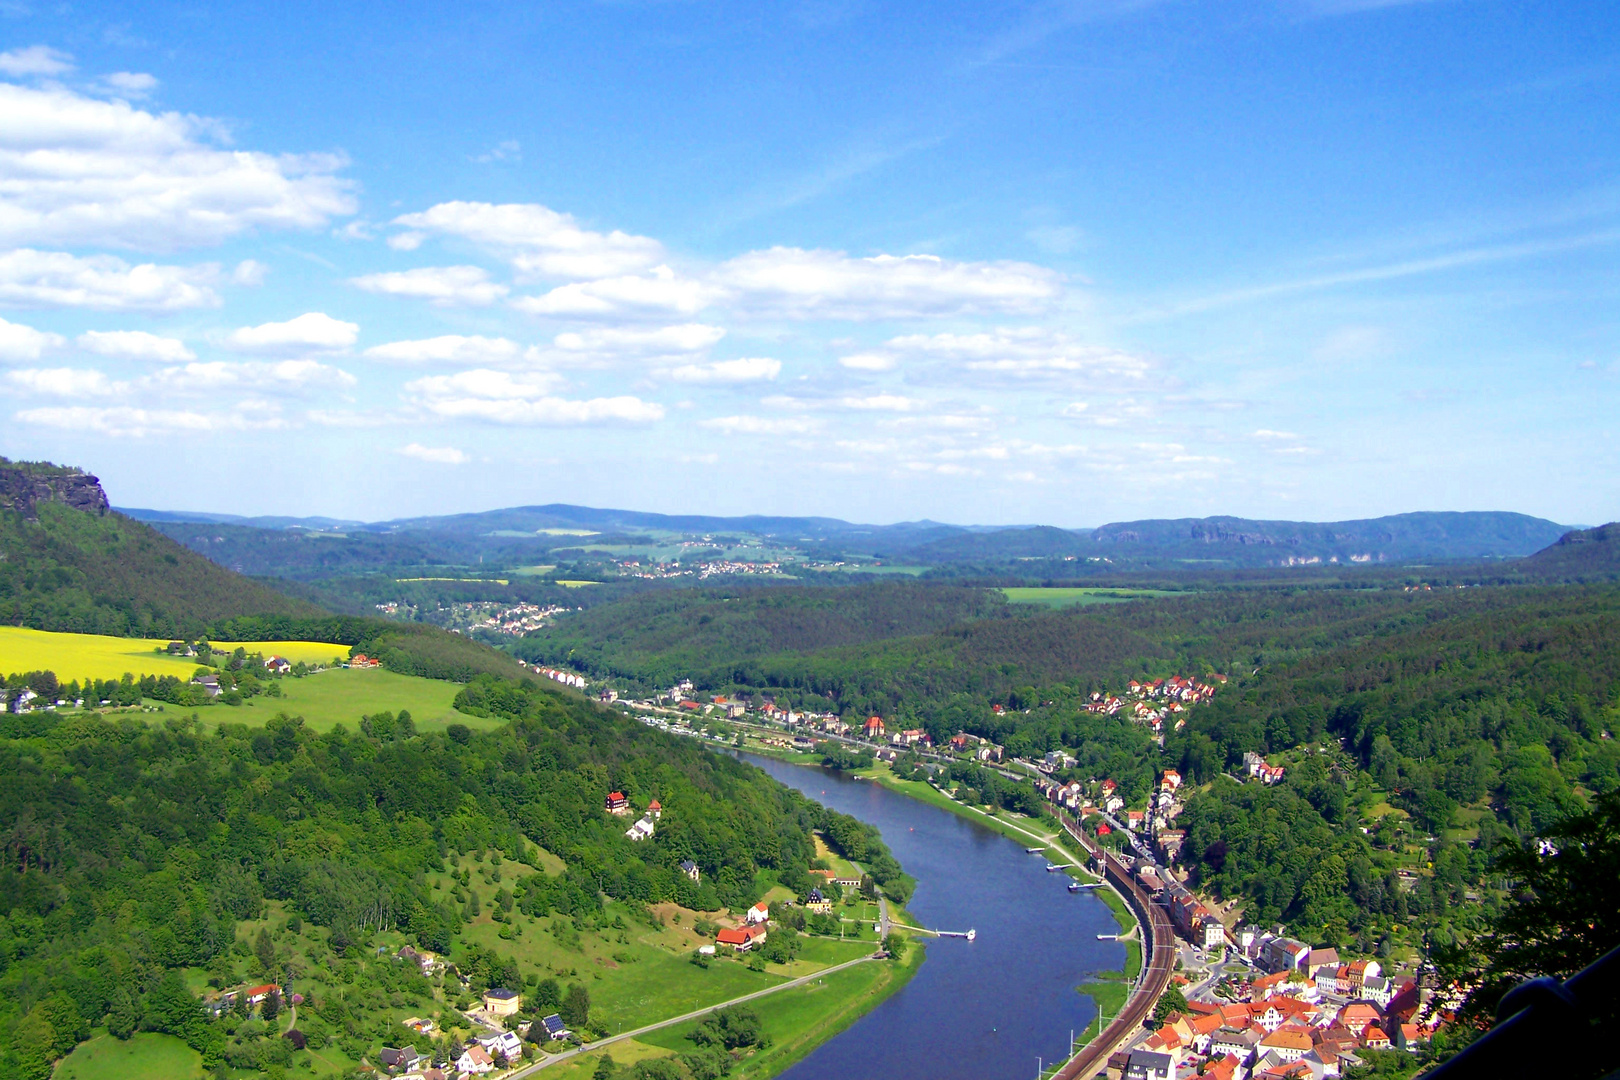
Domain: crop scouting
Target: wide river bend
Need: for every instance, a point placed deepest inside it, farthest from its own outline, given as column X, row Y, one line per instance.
column 980, row 1010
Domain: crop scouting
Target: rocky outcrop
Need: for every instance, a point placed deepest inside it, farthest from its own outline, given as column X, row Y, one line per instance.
column 24, row 486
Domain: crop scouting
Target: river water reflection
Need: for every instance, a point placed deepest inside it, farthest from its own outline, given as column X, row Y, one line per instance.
column 981, row 1010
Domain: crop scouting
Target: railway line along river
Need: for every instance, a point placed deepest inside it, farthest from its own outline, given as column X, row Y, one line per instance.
column 980, row 1010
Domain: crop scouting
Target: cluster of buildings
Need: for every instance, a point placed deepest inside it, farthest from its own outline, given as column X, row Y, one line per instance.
column 567, row 678
column 618, row 805
column 498, row 1048
column 518, row 620
column 1153, row 703
column 1286, row 1024
column 701, row 571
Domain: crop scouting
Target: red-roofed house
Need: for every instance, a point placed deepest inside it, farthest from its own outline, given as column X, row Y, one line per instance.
column 1357, row 1016
column 617, row 804
column 736, row 937
column 1289, row 1043
column 1374, row 1038
column 759, row 913
column 873, row 727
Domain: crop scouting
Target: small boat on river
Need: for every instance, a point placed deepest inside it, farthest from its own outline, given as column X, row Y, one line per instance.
column 1052, row 868
column 1075, row 886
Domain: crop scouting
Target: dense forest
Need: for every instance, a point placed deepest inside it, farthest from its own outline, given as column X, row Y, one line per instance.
column 134, row 851
column 656, row 638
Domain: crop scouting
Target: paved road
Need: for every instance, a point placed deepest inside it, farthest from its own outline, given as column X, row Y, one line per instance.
column 588, row 1048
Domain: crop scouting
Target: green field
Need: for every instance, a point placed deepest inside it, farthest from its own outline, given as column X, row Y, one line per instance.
column 142, row 1057
column 79, row 656
column 1077, row 597
column 345, row 695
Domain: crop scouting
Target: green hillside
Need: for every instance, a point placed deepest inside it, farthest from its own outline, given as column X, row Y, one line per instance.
column 150, row 862
column 67, row 563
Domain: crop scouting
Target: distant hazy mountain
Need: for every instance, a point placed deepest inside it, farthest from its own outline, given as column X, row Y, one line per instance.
column 1186, row 542
column 1425, row 535
column 1584, row 554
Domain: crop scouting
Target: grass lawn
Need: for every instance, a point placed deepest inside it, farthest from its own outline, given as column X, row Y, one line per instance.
column 1110, row 994
column 346, row 694
column 142, row 1057
column 1077, row 597
column 803, row 1018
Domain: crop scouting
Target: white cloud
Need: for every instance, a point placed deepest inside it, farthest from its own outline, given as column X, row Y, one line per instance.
column 282, row 376
column 747, row 369
column 81, row 170
column 134, row 422
column 35, row 60
column 57, row 279
column 62, row 382
column 538, row 241
column 760, row 425
column 438, row 455
column 503, row 398
column 24, row 343
column 657, row 293
column 1025, row 354
column 133, row 85
column 135, row 345
column 881, row 403
column 249, row 272
column 870, row 361
column 442, row 286
column 796, row 283
column 448, row 349
column 621, row 341
column 505, row 150
column 313, row 330
column 1267, row 433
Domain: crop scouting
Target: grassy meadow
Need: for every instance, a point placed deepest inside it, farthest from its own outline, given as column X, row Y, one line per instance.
column 1063, row 597
column 141, row 1057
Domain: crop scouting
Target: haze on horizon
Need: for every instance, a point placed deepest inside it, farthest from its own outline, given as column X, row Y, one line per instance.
column 1052, row 262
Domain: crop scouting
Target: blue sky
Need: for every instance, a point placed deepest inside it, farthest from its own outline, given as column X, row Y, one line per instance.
column 1056, row 262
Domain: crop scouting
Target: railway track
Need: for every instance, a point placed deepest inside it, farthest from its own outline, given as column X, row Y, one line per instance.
column 1159, row 960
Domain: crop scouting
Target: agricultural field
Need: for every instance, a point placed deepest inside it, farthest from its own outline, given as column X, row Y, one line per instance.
column 1077, row 597
column 79, row 656
column 142, row 1057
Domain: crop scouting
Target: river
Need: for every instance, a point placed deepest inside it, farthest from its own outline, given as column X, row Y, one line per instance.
column 980, row 1010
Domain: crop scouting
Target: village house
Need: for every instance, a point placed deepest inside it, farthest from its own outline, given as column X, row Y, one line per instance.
column 554, row 1026
column 395, row 1060
column 642, row 829
column 873, row 728
column 690, row 869
column 817, row 902
column 502, row 1044
column 475, row 1060
column 1146, row 1065
column 617, row 804
column 277, row 665
column 757, row 914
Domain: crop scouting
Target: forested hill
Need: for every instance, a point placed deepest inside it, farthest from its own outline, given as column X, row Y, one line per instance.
column 1582, row 555
column 68, row 563
column 133, row 852
column 656, row 638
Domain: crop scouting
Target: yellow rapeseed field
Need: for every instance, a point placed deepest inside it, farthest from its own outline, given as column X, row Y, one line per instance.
column 81, row 656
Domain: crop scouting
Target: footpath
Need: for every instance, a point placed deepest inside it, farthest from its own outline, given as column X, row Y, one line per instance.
column 587, row 1048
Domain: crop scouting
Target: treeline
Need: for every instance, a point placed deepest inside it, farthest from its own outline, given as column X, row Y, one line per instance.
column 132, row 850
column 408, row 648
